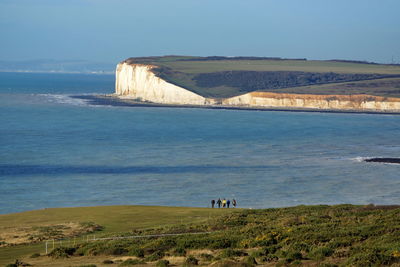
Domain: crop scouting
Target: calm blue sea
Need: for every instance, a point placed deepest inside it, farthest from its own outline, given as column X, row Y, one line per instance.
column 57, row 151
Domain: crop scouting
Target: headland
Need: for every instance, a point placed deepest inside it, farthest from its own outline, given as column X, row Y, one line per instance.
column 260, row 83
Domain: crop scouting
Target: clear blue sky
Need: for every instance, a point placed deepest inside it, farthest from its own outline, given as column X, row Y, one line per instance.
column 112, row 30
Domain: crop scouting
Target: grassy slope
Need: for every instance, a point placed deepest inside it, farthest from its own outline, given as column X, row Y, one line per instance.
column 183, row 73
column 343, row 235
column 114, row 219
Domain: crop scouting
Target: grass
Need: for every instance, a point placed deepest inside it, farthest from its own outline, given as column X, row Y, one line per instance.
column 185, row 73
column 381, row 87
column 341, row 235
column 113, row 219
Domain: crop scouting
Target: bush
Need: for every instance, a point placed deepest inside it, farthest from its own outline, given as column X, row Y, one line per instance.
column 162, row 263
column 370, row 257
column 88, row 265
column 249, row 261
column 265, row 251
column 327, row 265
column 320, row 253
column 293, row 256
column 179, row 251
column 229, row 263
column 155, row 256
column 229, row 253
column 117, row 251
column 206, row 257
column 190, row 261
column 137, row 252
column 108, row 262
column 129, row 262
column 269, row 258
column 35, row 255
column 61, row 252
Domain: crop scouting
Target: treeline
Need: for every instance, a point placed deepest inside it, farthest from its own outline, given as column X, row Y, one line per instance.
column 248, row 81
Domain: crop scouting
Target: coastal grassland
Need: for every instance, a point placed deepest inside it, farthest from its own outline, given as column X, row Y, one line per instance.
column 186, row 65
column 227, row 77
column 340, row 235
column 112, row 219
column 389, row 87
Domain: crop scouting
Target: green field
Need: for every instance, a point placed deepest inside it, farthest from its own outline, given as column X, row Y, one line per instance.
column 342, row 235
column 245, row 75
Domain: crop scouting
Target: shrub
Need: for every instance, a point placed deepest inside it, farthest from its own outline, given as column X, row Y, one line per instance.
column 131, row 262
column 293, row 256
column 190, row 261
column 108, row 262
column 179, row 251
column 327, row 265
column 229, row 263
column 321, row 253
column 155, row 256
column 162, row 263
column 207, row 257
column 137, row 252
column 249, row 261
column 116, row 251
column 229, row 253
column 265, row 251
column 61, row 252
column 370, row 257
column 269, row 258
column 35, row 255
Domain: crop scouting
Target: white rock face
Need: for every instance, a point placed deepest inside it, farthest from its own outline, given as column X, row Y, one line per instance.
column 342, row 102
column 139, row 82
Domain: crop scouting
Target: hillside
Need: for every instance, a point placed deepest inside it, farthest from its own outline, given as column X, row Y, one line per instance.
column 223, row 77
column 341, row 235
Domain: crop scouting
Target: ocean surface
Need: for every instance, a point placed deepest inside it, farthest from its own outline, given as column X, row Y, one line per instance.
column 59, row 151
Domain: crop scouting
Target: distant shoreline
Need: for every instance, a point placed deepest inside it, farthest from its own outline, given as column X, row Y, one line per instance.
column 111, row 100
column 59, row 72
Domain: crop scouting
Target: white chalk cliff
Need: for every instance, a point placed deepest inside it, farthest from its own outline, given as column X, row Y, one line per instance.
column 136, row 81
column 139, row 82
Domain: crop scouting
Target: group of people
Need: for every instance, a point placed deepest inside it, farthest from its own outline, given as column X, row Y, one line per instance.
column 225, row 203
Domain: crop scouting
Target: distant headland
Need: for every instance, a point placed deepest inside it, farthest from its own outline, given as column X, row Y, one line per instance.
column 252, row 82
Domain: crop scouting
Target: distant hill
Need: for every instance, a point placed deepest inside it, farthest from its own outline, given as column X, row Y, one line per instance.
column 66, row 66
column 221, row 77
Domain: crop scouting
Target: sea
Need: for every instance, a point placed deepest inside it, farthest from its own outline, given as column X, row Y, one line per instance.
column 57, row 150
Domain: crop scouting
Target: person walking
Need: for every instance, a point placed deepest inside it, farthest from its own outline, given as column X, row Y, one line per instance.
column 234, row 203
column 212, row 203
column 228, row 202
column 224, row 203
column 219, row 202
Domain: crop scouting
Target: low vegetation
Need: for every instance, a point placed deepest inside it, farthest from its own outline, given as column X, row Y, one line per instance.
column 342, row 235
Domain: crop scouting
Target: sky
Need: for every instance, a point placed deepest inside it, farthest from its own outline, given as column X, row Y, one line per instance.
column 113, row 30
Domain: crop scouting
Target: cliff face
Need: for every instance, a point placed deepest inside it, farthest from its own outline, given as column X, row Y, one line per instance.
column 137, row 81
column 343, row 102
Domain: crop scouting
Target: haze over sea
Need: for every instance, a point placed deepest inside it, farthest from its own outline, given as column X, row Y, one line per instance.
column 58, row 151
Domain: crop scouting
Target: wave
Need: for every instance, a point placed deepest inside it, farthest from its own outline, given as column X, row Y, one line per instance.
column 65, row 99
column 360, row 159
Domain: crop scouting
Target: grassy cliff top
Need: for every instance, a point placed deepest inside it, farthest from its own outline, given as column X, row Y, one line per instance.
column 222, row 77
column 341, row 235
